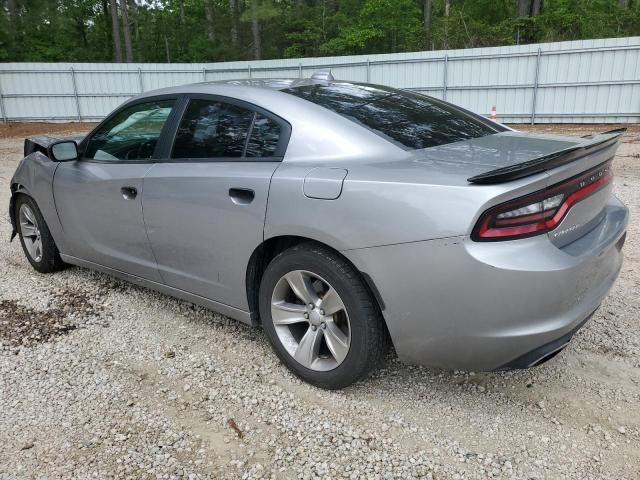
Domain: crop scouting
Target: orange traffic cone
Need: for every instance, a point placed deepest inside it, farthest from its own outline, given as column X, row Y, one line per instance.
column 494, row 113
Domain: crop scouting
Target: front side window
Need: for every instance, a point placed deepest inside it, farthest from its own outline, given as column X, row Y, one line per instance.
column 131, row 134
column 409, row 120
column 212, row 129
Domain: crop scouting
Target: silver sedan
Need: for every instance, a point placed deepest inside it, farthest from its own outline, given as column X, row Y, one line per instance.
column 341, row 217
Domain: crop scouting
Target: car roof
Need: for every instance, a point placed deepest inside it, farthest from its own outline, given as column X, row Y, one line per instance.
column 317, row 132
column 256, row 84
column 268, row 83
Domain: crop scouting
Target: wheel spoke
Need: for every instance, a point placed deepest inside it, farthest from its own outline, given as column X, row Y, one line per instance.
column 30, row 243
column 337, row 341
column 300, row 283
column 37, row 248
column 307, row 351
column 285, row 313
column 27, row 229
column 28, row 215
column 331, row 302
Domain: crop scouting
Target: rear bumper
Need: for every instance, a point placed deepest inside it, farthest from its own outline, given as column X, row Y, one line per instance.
column 545, row 352
column 457, row 304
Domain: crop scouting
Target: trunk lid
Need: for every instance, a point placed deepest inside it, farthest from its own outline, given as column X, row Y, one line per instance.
column 548, row 156
column 584, row 164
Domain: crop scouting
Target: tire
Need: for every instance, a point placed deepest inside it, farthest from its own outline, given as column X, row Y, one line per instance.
column 357, row 321
column 32, row 227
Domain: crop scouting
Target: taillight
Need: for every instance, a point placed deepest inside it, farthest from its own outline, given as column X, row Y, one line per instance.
column 541, row 211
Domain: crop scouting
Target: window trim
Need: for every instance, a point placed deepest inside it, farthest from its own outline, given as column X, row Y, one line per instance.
column 283, row 141
column 178, row 99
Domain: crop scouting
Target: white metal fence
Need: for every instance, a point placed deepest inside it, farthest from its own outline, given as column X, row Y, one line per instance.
column 588, row 81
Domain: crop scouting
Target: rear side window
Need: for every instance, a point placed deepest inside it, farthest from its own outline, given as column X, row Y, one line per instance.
column 406, row 119
column 212, row 129
column 265, row 137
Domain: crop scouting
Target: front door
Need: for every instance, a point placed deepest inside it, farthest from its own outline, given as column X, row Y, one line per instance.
column 205, row 203
column 98, row 197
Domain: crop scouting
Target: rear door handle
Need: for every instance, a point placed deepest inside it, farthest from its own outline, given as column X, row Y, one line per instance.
column 129, row 193
column 241, row 196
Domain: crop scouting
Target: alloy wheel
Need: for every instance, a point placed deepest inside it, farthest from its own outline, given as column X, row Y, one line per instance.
column 311, row 320
column 30, row 232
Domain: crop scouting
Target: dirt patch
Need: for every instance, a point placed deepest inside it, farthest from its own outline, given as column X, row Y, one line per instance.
column 20, row 130
column 22, row 326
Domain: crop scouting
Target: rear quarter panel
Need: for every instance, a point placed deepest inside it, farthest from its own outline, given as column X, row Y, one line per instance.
column 381, row 203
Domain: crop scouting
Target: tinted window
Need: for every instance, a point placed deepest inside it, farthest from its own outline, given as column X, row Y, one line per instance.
column 212, row 129
column 407, row 119
column 131, row 134
column 264, row 139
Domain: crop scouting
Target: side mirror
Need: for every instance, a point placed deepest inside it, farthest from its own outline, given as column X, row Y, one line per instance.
column 64, row 151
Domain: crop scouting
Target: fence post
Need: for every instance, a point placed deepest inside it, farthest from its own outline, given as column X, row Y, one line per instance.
column 444, row 77
column 3, row 110
column 140, row 84
column 368, row 70
column 300, row 70
column 535, row 88
column 204, row 74
column 249, row 71
column 75, row 93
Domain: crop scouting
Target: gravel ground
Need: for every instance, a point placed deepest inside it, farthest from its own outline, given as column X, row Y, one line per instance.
column 100, row 379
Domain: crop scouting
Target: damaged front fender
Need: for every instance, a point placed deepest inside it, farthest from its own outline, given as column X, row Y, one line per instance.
column 34, row 177
column 12, row 211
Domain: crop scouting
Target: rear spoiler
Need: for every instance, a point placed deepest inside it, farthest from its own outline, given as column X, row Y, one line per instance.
column 552, row 160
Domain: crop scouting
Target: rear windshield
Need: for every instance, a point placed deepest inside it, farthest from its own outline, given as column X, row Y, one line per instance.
column 409, row 120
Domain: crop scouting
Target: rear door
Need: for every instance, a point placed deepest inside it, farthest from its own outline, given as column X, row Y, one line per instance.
column 204, row 203
column 98, row 197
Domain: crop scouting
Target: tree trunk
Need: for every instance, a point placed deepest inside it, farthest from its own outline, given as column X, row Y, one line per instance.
column 233, row 10
column 447, row 9
column 324, row 21
column 11, row 5
column 133, row 16
column 181, row 2
column 255, row 29
column 524, row 8
column 211, row 29
column 105, row 14
column 624, row 4
column 115, row 29
column 428, row 16
column 126, row 28
column 536, row 7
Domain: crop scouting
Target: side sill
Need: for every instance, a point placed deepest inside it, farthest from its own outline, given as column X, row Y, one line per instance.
column 227, row 310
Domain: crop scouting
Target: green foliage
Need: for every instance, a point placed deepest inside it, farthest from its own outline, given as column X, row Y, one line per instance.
column 201, row 30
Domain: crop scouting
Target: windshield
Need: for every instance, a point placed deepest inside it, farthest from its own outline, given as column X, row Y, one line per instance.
column 409, row 120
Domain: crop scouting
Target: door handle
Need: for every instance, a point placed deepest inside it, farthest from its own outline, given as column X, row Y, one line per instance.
column 241, row 196
column 129, row 193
